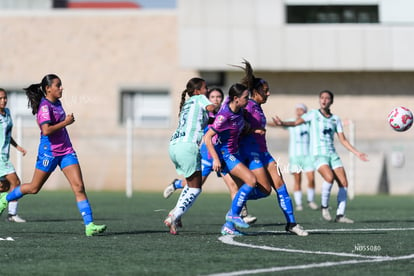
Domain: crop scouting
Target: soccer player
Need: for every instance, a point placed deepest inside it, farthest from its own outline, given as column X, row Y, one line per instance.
column 216, row 96
column 300, row 160
column 55, row 149
column 323, row 126
column 255, row 153
column 184, row 146
column 8, row 177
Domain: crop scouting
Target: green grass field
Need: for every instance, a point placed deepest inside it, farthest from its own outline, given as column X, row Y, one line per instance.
column 52, row 242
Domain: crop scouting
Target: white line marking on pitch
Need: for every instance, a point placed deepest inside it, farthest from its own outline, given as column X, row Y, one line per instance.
column 368, row 259
column 7, row 239
column 308, row 266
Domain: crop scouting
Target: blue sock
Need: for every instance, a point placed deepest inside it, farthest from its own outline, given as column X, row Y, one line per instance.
column 86, row 211
column 285, row 204
column 257, row 194
column 178, row 184
column 240, row 199
column 15, row 194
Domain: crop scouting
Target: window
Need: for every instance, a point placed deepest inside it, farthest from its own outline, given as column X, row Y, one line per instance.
column 147, row 108
column 331, row 14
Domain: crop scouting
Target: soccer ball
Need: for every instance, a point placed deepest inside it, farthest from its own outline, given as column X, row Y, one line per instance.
column 400, row 118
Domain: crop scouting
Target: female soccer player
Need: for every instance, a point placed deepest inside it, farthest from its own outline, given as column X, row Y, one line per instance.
column 323, row 126
column 55, row 149
column 184, row 146
column 8, row 177
column 216, row 96
column 226, row 130
column 256, row 155
column 300, row 159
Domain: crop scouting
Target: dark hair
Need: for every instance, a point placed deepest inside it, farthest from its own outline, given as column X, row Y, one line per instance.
column 35, row 92
column 3, row 90
column 249, row 80
column 215, row 89
column 192, row 85
column 329, row 92
column 236, row 90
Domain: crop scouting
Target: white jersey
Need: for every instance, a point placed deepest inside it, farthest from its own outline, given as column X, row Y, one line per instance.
column 322, row 131
column 193, row 119
column 6, row 125
column 299, row 140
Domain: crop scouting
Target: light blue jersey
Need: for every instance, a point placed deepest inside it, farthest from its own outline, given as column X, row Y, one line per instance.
column 299, row 139
column 6, row 125
column 322, row 131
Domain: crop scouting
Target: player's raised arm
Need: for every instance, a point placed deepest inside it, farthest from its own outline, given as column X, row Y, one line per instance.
column 348, row 146
column 278, row 122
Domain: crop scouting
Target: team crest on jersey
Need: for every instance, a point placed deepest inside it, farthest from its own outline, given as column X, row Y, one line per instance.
column 220, row 119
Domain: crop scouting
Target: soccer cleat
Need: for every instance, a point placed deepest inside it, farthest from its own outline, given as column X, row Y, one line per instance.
column 169, row 190
column 15, row 218
column 249, row 219
column 313, row 205
column 325, row 214
column 3, row 202
column 178, row 221
column 237, row 220
column 296, row 229
column 246, row 217
column 227, row 231
column 170, row 223
column 92, row 229
column 343, row 219
column 299, row 208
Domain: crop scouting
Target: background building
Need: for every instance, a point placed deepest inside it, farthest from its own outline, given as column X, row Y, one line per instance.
column 120, row 63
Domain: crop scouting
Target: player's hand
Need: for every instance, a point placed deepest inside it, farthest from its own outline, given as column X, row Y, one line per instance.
column 277, row 121
column 260, row 131
column 362, row 156
column 69, row 119
column 22, row 150
column 216, row 165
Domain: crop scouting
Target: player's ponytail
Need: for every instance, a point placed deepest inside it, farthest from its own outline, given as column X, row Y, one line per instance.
column 249, row 79
column 192, row 85
column 35, row 92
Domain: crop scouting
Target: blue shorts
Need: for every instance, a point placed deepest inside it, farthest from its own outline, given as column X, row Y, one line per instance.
column 255, row 159
column 48, row 163
column 228, row 160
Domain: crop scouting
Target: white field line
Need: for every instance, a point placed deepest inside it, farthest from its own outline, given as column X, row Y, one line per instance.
column 7, row 239
column 314, row 265
column 367, row 259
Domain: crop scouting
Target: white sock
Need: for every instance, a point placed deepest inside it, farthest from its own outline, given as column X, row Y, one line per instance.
column 186, row 200
column 311, row 195
column 326, row 193
column 298, row 197
column 342, row 196
column 12, row 208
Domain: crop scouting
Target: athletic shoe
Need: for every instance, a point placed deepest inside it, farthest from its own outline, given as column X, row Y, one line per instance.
column 246, row 217
column 313, row 205
column 237, row 220
column 170, row 223
column 3, row 202
column 92, row 229
column 227, row 231
column 169, row 190
column 178, row 222
column 343, row 219
column 296, row 229
column 249, row 219
column 325, row 214
column 299, row 208
column 15, row 218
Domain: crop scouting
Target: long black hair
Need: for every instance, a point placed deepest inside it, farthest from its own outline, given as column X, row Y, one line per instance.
column 192, row 85
column 35, row 92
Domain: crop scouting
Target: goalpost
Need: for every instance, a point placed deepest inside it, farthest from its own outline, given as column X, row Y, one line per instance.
column 351, row 176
